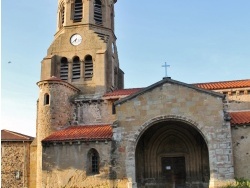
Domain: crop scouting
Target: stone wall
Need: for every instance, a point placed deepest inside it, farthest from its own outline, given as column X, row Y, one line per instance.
column 177, row 102
column 33, row 163
column 53, row 116
column 94, row 112
column 59, row 112
column 236, row 94
column 241, row 151
column 73, row 178
column 15, row 159
column 241, row 137
column 238, row 105
column 67, row 165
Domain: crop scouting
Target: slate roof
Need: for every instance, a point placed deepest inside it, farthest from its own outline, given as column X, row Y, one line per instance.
column 240, row 118
column 224, row 84
column 7, row 135
column 83, row 133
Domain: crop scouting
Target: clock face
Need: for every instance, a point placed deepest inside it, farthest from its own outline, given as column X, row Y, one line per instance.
column 76, row 39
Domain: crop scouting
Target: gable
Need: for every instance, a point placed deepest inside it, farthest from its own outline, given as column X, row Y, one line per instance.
column 171, row 98
column 171, row 82
column 7, row 135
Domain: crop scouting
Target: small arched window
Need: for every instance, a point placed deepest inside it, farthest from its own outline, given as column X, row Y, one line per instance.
column 98, row 12
column 88, row 67
column 64, row 69
column 77, row 11
column 76, row 68
column 93, row 161
column 46, row 99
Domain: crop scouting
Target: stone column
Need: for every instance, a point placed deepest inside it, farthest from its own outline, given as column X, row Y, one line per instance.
column 70, row 69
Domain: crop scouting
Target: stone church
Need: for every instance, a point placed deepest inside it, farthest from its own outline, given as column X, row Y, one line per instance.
column 91, row 132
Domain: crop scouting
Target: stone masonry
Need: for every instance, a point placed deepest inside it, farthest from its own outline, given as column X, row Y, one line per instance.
column 53, row 116
column 241, row 152
column 15, row 164
column 177, row 102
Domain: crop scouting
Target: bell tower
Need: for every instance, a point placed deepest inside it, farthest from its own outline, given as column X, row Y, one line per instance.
column 83, row 52
column 81, row 63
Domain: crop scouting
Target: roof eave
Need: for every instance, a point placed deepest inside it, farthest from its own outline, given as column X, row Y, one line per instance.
column 82, row 140
column 114, row 97
column 240, row 124
column 10, row 140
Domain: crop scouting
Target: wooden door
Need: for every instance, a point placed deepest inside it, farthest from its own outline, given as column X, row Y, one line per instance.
column 174, row 170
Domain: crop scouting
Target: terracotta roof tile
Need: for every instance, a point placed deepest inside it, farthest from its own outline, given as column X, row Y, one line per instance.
column 123, row 92
column 240, row 118
column 7, row 135
column 82, row 132
column 209, row 86
column 224, row 84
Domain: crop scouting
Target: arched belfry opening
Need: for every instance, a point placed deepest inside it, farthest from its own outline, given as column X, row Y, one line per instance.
column 172, row 154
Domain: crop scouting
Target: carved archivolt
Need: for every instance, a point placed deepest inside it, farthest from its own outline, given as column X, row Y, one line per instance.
column 158, row 119
column 169, row 137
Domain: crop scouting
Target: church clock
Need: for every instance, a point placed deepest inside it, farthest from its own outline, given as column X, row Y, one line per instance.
column 76, row 39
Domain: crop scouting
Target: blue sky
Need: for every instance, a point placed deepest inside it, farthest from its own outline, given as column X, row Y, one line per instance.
column 203, row 41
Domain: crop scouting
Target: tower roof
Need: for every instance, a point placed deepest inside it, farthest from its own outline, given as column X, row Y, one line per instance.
column 54, row 79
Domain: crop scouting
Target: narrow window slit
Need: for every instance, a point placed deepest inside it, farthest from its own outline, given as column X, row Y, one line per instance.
column 77, row 11
column 76, row 68
column 88, row 67
column 98, row 12
column 64, row 69
column 46, row 99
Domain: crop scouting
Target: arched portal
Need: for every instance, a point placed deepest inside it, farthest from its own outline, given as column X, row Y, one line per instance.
column 172, row 153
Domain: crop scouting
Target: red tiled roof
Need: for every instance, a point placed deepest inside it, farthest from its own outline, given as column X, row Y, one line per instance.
column 224, row 84
column 82, row 132
column 7, row 135
column 209, row 86
column 240, row 118
column 121, row 92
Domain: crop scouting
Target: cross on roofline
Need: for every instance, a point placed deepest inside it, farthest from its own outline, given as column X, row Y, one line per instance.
column 166, row 67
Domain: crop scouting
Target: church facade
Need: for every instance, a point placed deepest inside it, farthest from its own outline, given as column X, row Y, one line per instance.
column 168, row 133
column 91, row 132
